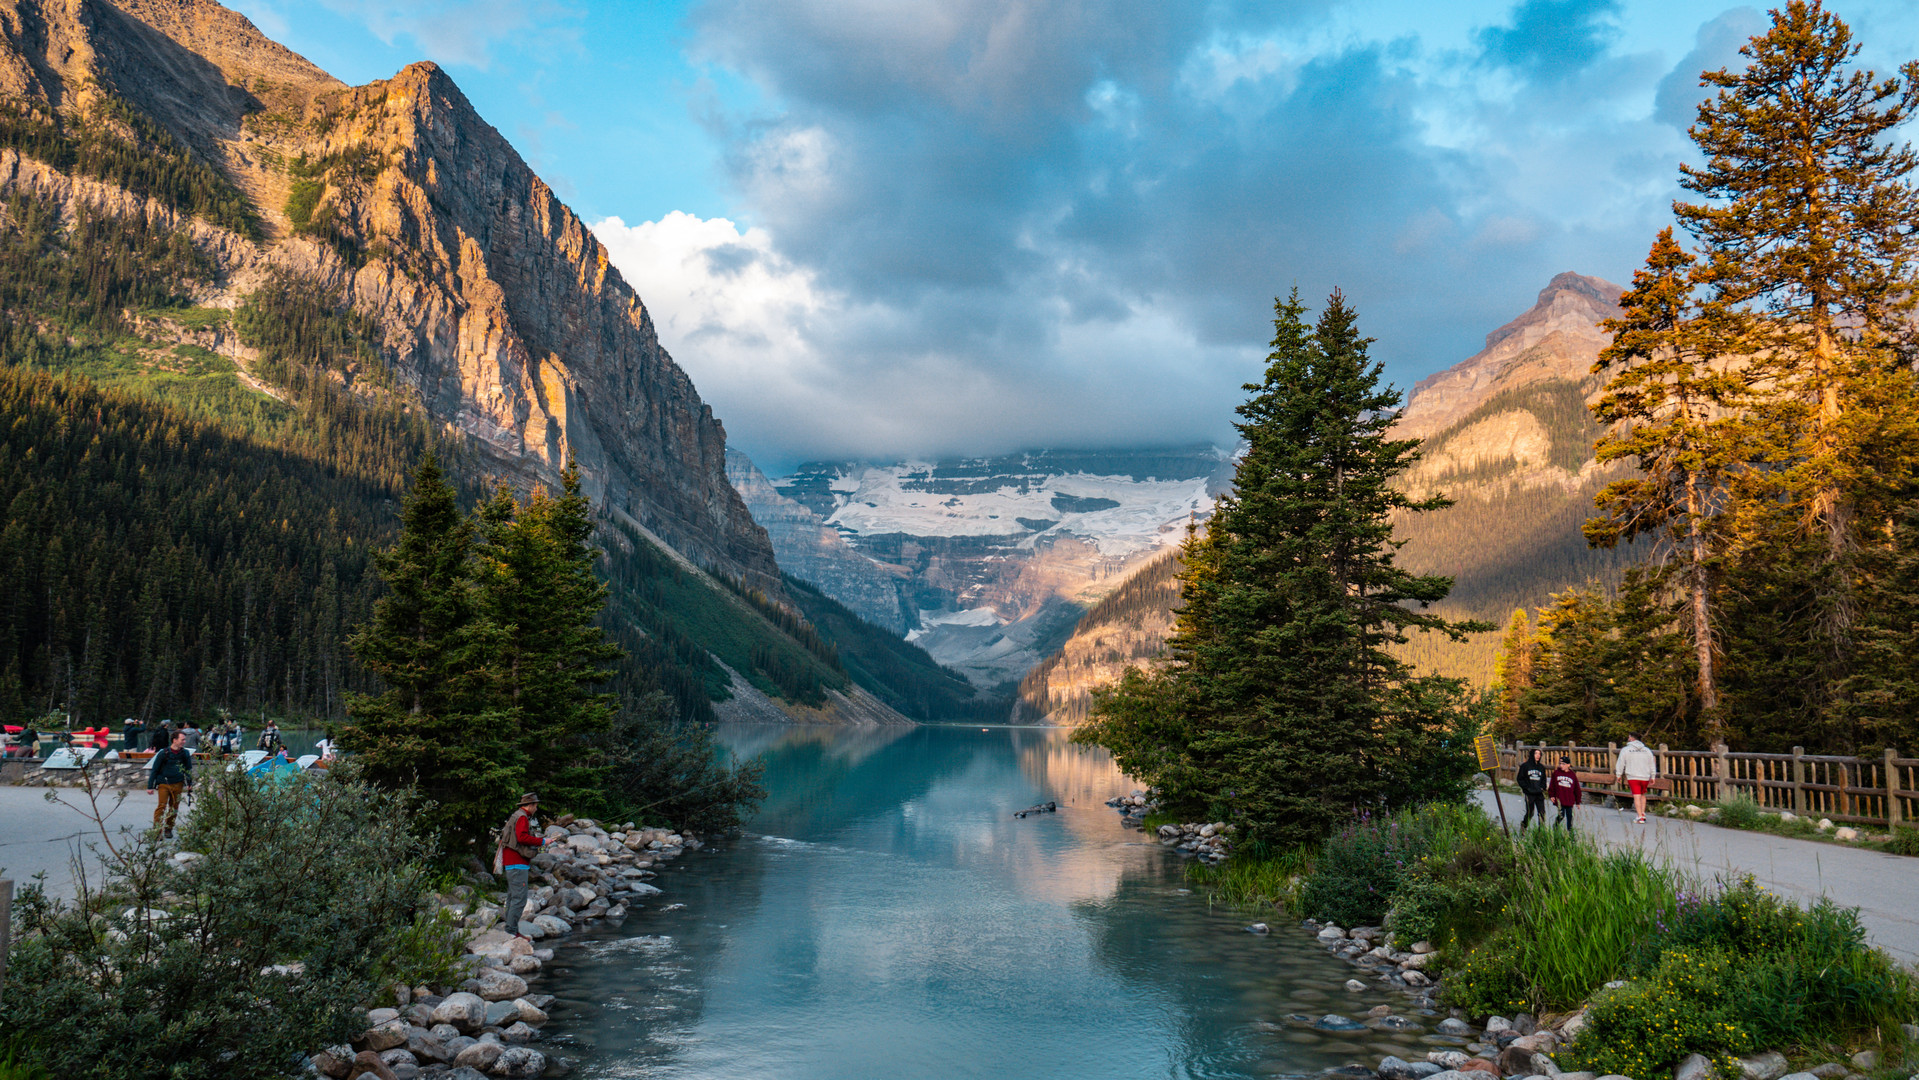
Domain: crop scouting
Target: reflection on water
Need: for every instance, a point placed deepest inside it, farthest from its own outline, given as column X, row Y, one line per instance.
column 887, row 917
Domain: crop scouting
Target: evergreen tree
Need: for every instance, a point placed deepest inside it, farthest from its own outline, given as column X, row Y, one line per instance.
column 1669, row 402
column 437, row 728
column 1513, row 672
column 1283, row 711
column 1810, row 251
column 540, row 601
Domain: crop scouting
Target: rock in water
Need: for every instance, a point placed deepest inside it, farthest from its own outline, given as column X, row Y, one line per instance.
column 1335, row 1022
column 519, row 1062
column 481, row 1056
column 1454, row 1026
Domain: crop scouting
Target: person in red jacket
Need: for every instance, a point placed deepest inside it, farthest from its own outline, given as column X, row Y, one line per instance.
column 519, row 842
column 1566, row 792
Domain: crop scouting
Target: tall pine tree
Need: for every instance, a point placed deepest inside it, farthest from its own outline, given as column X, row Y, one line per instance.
column 1283, row 711
column 1672, row 405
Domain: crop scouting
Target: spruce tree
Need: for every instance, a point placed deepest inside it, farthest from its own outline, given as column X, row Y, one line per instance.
column 437, row 727
column 1513, row 672
column 1671, row 404
column 541, row 599
column 1283, row 711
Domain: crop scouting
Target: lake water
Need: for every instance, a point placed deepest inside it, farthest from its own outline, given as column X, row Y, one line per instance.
column 887, row 917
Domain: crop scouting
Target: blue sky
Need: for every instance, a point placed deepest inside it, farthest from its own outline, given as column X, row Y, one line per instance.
column 885, row 228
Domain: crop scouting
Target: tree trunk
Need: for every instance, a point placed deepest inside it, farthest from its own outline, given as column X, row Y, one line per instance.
column 1701, row 615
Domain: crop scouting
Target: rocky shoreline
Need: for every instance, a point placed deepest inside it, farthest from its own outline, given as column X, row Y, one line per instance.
column 1208, row 841
column 484, row 1026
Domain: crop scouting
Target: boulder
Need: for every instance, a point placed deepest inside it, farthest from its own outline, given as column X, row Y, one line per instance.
column 428, row 1047
column 464, row 1074
column 529, row 1012
column 1825, row 824
column 554, row 925
column 1845, row 833
column 501, row 1013
column 1455, row 1074
column 1416, row 977
column 1543, row 1042
column 501, row 986
column 1866, row 1060
column 376, row 1017
column 334, row 1061
column 399, row 1056
column 641, row 888
column 384, row 1037
column 1767, row 1066
column 1354, row 985
column 519, row 1032
column 368, row 1063
column 1831, row 1070
column 1497, row 1024
column 524, row 965
column 1572, row 1026
column 519, row 1062
column 481, row 1056
column 1814, row 1075
column 1380, row 1010
column 1331, row 934
column 1418, row 961
column 443, row 1032
column 1479, row 1065
column 1259, row 928
column 1452, row 1025
column 464, row 1011
column 1393, row 1023
column 1448, row 1059
column 1335, row 1022
column 1393, row 1068
column 1695, row 1067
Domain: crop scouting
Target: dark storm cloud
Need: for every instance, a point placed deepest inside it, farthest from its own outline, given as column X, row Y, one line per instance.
column 1010, row 192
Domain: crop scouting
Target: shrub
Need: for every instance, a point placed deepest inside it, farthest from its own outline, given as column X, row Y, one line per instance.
column 1683, row 1007
column 1739, row 811
column 1270, row 878
column 1489, row 982
column 308, row 889
column 1362, row 868
column 665, row 771
column 1903, row 841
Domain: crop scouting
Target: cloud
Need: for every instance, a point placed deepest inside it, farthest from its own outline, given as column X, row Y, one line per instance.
column 980, row 225
column 455, row 31
column 1551, row 39
column 1717, row 46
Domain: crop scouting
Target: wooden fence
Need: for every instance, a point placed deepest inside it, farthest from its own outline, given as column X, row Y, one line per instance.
column 1880, row 791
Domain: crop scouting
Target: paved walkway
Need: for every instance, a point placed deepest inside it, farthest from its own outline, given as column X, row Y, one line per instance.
column 44, row 836
column 1885, row 888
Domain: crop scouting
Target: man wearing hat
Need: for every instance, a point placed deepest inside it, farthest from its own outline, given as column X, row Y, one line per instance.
column 518, row 844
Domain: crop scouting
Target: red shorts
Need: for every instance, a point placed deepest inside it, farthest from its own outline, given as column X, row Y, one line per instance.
column 1639, row 786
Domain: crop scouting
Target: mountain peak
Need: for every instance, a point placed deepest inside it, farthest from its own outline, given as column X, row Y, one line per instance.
column 1558, row 337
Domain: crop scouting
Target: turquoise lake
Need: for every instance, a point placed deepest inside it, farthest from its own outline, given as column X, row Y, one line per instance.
column 887, row 917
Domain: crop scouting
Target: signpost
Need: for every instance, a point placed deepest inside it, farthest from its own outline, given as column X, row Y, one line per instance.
column 1489, row 764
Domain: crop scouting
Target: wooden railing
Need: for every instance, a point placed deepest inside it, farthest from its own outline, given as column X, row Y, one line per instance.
column 1880, row 791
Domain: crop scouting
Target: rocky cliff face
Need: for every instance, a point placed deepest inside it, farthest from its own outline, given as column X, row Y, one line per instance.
column 493, row 300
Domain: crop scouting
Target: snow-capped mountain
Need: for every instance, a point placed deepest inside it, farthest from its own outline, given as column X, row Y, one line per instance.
column 993, row 559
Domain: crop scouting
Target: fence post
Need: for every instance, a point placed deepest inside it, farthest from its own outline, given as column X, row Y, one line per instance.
column 1893, row 814
column 1721, row 771
column 1799, row 780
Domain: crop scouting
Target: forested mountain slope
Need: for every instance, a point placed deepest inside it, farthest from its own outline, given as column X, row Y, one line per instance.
column 232, row 266
column 1507, row 435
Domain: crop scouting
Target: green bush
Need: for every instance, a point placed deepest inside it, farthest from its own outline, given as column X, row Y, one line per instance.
column 1264, row 880
column 1684, row 1006
column 306, row 891
column 1903, row 841
column 1489, row 982
column 1361, row 869
column 1739, row 811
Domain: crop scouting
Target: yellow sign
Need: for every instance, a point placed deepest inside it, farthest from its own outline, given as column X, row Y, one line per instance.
column 1488, row 753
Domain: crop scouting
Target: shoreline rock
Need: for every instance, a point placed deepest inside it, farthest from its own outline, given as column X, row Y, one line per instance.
column 588, row 875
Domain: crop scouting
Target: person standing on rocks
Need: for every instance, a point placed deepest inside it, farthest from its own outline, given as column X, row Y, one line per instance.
column 518, row 844
column 1637, row 764
column 1532, row 785
column 170, row 773
column 1566, row 792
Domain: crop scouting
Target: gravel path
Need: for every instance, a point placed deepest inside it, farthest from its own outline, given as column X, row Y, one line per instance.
column 1885, row 888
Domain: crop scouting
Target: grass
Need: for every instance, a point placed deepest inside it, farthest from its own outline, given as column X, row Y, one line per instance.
column 1262, row 881
column 1581, row 914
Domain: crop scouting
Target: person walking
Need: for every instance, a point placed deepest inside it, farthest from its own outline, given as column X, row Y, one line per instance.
column 1638, row 766
column 1566, row 792
column 170, row 773
column 518, row 843
column 1532, row 786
